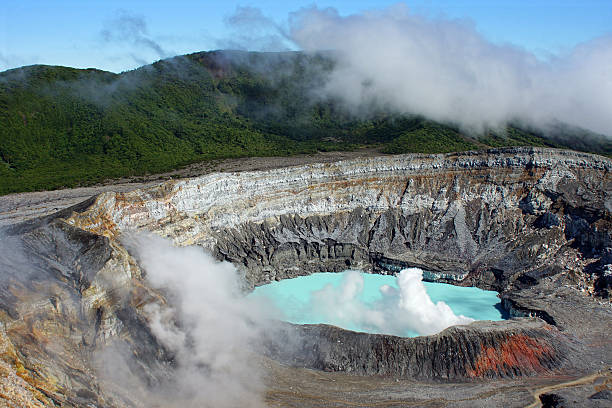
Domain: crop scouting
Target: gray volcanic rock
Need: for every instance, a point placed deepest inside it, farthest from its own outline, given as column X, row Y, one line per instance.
column 482, row 349
column 602, row 395
column 553, row 401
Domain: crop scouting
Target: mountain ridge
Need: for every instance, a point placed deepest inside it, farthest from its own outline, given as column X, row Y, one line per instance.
column 66, row 127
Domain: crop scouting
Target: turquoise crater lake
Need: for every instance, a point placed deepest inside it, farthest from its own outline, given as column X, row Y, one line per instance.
column 401, row 305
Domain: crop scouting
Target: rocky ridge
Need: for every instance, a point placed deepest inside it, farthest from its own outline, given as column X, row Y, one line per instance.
column 522, row 347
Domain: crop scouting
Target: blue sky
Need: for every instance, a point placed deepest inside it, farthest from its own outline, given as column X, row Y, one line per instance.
column 71, row 32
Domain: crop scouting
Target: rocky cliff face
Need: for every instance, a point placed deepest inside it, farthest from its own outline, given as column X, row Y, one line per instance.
column 491, row 218
column 520, row 347
column 533, row 224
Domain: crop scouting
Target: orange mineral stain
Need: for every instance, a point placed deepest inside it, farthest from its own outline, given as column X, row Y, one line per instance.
column 517, row 351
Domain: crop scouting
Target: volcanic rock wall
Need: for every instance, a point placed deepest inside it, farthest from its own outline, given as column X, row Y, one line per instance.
column 480, row 350
column 488, row 217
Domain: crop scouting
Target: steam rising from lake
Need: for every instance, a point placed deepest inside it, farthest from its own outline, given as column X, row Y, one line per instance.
column 401, row 305
column 214, row 333
column 407, row 308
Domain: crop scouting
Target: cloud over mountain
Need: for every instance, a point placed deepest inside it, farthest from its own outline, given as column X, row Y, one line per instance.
column 446, row 70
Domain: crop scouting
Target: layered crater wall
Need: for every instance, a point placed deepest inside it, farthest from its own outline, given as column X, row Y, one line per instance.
column 478, row 218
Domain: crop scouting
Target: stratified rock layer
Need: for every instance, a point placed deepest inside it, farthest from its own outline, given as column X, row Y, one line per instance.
column 496, row 216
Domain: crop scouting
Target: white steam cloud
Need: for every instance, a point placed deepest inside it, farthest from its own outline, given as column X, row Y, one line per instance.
column 400, row 311
column 210, row 327
column 447, row 71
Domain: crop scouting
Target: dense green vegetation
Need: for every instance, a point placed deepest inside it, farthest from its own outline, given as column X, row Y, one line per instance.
column 62, row 127
column 429, row 138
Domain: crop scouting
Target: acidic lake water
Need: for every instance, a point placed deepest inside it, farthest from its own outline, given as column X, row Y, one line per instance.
column 401, row 305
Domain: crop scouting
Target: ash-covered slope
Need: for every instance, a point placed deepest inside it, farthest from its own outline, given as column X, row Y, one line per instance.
column 534, row 224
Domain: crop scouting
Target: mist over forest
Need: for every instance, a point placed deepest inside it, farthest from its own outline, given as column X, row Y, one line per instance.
column 65, row 127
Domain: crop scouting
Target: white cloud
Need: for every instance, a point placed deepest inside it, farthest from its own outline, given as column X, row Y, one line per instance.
column 447, row 71
column 130, row 30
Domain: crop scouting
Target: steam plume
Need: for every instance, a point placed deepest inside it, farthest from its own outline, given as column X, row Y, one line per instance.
column 211, row 327
column 400, row 312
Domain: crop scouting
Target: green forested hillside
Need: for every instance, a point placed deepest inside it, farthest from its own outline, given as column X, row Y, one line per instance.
column 65, row 127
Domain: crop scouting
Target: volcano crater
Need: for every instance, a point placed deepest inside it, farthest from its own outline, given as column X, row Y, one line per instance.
column 532, row 224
